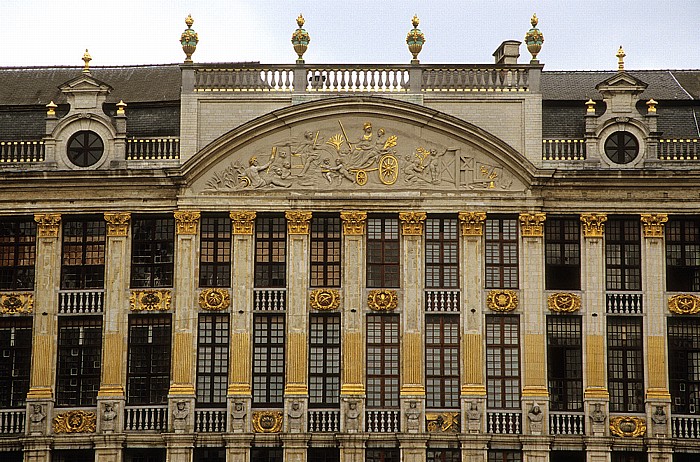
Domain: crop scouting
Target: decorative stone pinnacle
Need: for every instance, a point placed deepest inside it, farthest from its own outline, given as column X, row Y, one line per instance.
column 121, row 105
column 51, row 109
column 86, row 59
column 534, row 39
column 620, row 59
column 590, row 106
column 651, row 106
column 189, row 39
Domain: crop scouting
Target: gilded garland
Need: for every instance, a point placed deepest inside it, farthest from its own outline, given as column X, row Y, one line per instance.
column 564, row 302
column 382, row 300
column 16, row 303
column 150, row 300
column 684, row 304
column 324, row 299
column 502, row 300
column 214, row 299
column 75, row 422
column 267, row 421
column 628, row 427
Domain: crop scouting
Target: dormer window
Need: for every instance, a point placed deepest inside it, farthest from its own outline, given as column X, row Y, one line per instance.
column 85, row 148
column 621, row 147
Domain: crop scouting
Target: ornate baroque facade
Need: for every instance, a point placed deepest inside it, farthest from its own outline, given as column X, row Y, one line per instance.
column 246, row 262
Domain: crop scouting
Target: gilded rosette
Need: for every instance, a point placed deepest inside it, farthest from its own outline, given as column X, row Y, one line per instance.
column 242, row 222
column 502, row 300
column 150, row 300
column 324, row 299
column 532, row 224
column 382, row 300
column 47, row 224
column 214, row 299
column 189, row 39
column 186, row 221
column 564, row 302
column 353, row 222
column 75, row 422
column 117, row 223
column 534, row 38
column 593, row 224
column 412, row 223
column 684, row 304
column 446, row 422
column 472, row 223
column 653, row 224
column 267, row 421
column 297, row 221
column 16, row 303
column 628, row 427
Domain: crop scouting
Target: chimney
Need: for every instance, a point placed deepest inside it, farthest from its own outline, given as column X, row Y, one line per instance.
column 508, row 52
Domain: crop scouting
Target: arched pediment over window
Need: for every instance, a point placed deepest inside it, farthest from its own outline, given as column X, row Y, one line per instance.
column 357, row 144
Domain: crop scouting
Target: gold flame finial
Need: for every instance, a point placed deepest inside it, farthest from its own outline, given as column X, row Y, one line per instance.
column 86, row 59
column 620, row 59
column 415, row 21
column 534, row 20
column 189, row 21
column 300, row 20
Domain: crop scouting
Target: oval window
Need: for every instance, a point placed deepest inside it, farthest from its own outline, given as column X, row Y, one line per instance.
column 621, row 147
column 85, row 148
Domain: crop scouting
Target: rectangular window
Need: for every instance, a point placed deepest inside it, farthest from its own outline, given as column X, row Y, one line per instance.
column 623, row 254
column 79, row 361
column 441, row 253
column 209, row 455
column 562, row 253
column 683, row 255
column 383, row 252
column 266, row 455
column 382, row 455
column 324, row 361
column 152, row 251
column 323, row 455
column 15, row 361
column 83, row 265
column 148, row 367
column 325, row 251
column 268, row 360
column 504, row 455
column 684, row 365
column 501, row 253
column 625, row 364
column 215, row 251
column 212, row 360
column 383, row 361
column 270, row 251
column 503, row 361
column 17, row 254
column 444, row 455
column 442, row 361
column 565, row 363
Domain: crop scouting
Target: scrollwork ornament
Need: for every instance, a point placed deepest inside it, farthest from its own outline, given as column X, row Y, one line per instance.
column 564, row 302
column 150, row 300
column 593, row 224
column 532, row 224
column 324, row 299
column 502, row 300
column 267, row 421
column 17, row 303
column 48, row 224
column 297, row 221
column 117, row 223
column 214, row 299
column 412, row 223
column 186, row 221
column 75, row 422
column 446, row 422
column 628, row 427
column 353, row 222
column 472, row 223
column 382, row 300
column 653, row 224
column 242, row 222
column 684, row 304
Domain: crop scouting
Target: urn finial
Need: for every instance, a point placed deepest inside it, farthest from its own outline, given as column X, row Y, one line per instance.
column 300, row 39
column 189, row 39
column 415, row 40
column 534, row 39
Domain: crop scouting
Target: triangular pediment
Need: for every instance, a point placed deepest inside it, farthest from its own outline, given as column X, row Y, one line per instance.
column 622, row 82
column 85, row 83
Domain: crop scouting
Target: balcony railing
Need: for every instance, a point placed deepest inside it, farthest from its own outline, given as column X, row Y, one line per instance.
column 324, row 421
column 250, row 78
column 567, row 423
column 385, row 78
column 146, row 418
column 210, row 420
column 564, row 149
column 12, row 421
column 81, row 301
column 679, row 149
column 623, row 303
column 165, row 148
column 21, row 151
column 685, row 427
column 442, row 300
column 504, row 423
column 475, row 78
column 269, row 299
column 382, row 421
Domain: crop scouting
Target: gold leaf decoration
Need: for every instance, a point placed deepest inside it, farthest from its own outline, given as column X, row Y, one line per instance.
column 472, row 223
column 382, row 300
column 75, row 422
column 214, row 299
column 242, row 222
column 502, row 300
column 628, row 427
column 117, row 223
column 16, row 303
column 532, row 224
column 324, row 299
column 653, row 224
column 593, row 224
column 297, row 221
column 446, row 422
column 353, row 222
column 412, row 223
column 186, row 221
column 564, row 302
column 150, row 300
column 47, row 224
column 336, row 141
column 684, row 304
column 267, row 421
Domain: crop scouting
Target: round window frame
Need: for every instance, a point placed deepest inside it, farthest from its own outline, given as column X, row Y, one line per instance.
column 618, row 136
column 72, row 158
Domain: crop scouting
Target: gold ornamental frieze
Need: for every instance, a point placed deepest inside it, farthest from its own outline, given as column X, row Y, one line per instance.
column 684, row 304
column 628, row 427
column 382, row 300
column 150, row 300
column 445, row 422
column 412, row 223
column 75, row 422
column 324, row 299
column 297, row 221
column 502, row 300
column 653, row 224
column 214, row 299
column 117, row 223
column 564, row 302
column 267, row 421
column 472, row 223
column 186, row 221
column 532, row 224
column 242, row 222
column 593, row 224
column 16, row 303
column 47, row 224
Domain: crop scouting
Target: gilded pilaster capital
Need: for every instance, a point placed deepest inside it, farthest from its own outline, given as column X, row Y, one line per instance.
column 472, row 223
column 412, row 223
column 593, row 224
column 353, row 222
column 186, row 221
column 242, row 222
column 117, row 223
column 297, row 221
column 47, row 224
column 532, row 224
column 653, row 224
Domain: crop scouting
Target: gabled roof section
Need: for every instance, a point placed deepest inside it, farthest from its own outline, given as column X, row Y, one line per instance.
column 85, row 82
column 622, row 81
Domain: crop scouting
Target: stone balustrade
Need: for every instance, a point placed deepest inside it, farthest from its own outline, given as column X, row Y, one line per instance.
column 164, row 148
column 210, row 420
column 324, row 421
column 564, row 149
column 383, row 421
column 567, row 423
column 146, row 418
column 503, row 423
column 672, row 149
column 21, row 151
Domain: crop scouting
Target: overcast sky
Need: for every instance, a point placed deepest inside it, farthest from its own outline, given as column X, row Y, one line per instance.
column 579, row 34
